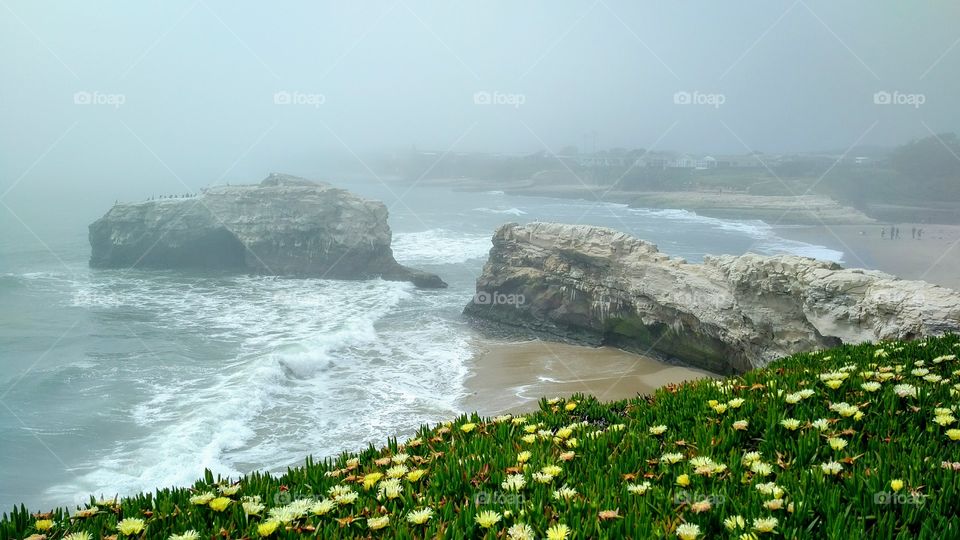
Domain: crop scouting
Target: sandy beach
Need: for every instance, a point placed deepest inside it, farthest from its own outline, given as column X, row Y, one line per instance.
column 935, row 258
column 513, row 376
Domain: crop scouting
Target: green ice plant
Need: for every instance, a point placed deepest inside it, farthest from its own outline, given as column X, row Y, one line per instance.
column 854, row 442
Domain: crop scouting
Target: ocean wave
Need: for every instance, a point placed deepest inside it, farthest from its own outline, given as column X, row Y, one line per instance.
column 768, row 242
column 440, row 246
column 319, row 367
column 506, row 211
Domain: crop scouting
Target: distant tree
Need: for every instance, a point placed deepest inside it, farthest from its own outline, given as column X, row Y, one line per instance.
column 930, row 158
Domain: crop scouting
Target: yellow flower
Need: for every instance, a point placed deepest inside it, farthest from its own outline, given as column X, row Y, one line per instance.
column 834, row 383
column 415, row 474
column 720, row 408
column 896, row 485
column 944, row 419
column 837, row 443
column 378, row 523
column 683, row 480
column 558, row 532
column 954, row 434
column 267, row 528
column 523, row 457
column 202, row 498
column 130, row 526
column 43, row 524
column 487, row 518
column 371, row 479
column 84, row 535
column 790, row 423
column 657, row 430
column 735, row 403
column 467, row 428
column 529, row 439
column 571, row 406
column 219, row 504
column 563, row 433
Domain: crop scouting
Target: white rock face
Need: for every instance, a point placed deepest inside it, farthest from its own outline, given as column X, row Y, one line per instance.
column 283, row 226
column 728, row 314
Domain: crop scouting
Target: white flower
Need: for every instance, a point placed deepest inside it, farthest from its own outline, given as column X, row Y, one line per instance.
column 638, row 489
column 565, row 493
column 905, row 390
column 688, row 531
column 765, row 525
column 514, row 482
column 657, row 430
column 419, row 517
column 521, row 531
column 390, row 488
column 831, row 467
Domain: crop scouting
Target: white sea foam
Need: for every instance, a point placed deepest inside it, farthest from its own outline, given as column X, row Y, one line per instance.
column 506, row 211
column 320, row 365
column 440, row 246
column 767, row 240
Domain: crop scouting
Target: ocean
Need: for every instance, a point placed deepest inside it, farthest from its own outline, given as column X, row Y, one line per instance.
column 117, row 381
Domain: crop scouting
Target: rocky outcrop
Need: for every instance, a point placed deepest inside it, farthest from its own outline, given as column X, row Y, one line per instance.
column 728, row 314
column 284, row 226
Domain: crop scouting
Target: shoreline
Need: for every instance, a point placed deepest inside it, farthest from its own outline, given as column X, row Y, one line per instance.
column 512, row 376
column 934, row 258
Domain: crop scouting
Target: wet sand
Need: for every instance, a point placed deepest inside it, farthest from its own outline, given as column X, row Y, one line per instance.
column 935, row 258
column 513, row 376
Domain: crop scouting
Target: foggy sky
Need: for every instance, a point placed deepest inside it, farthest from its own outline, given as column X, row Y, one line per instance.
column 198, row 81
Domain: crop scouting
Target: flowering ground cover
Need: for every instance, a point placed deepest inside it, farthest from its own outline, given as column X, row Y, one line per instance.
column 854, row 442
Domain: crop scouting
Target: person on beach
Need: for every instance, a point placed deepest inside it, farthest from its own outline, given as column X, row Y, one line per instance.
column 883, row 232
column 913, row 233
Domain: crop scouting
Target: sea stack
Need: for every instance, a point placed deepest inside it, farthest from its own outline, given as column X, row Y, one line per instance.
column 729, row 314
column 285, row 226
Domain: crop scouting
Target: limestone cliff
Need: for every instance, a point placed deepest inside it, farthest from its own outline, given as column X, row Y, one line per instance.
column 283, row 226
column 729, row 314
